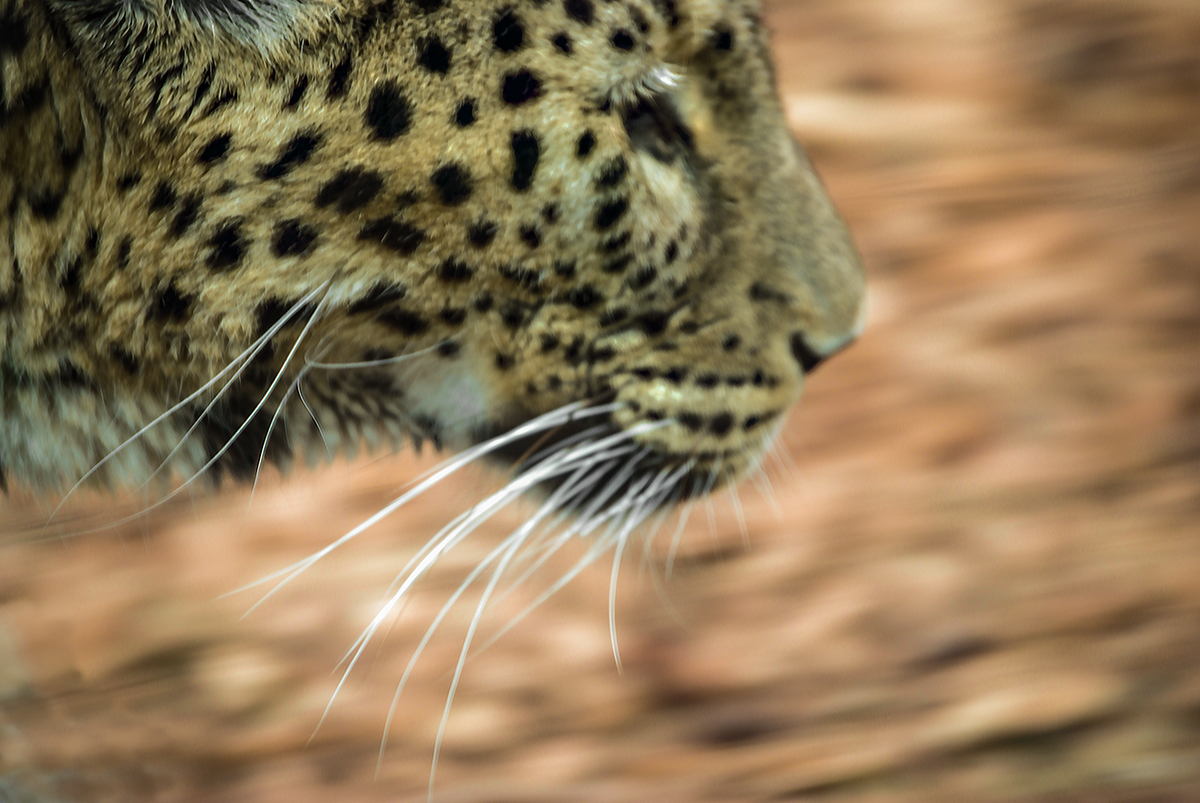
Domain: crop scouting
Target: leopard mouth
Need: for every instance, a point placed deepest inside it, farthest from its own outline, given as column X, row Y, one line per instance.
column 588, row 462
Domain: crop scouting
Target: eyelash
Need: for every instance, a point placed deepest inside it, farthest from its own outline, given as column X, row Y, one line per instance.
column 628, row 95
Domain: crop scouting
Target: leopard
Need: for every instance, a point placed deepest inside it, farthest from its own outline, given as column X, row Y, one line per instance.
column 238, row 233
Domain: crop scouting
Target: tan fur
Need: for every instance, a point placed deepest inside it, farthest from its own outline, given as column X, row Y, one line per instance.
column 170, row 188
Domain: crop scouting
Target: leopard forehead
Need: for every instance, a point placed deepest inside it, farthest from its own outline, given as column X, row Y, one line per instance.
column 410, row 218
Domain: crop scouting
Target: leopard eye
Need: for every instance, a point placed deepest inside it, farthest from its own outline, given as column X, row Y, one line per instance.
column 654, row 125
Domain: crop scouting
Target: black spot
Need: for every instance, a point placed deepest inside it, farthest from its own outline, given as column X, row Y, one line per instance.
column 128, row 181
column 434, row 56
column 163, row 197
column 762, row 292
column 708, row 380
column 426, row 6
column 292, row 238
column 297, row 151
column 676, row 374
column 735, row 381
column 228, row 245
column 160, row 81
column 484, row 302
column 617, row 264
column 70, row 278
column 482, row 233
column 508, row 33
column 29, row 99
column 585, row 145
column 71, row 375
column 45, row 203
column 550, row 213
column 752, row 422
column 448, row 349
column 453, row 316
column 339, row 79
column 601, row 353
column 69, row 157
column 653, row 323
column 453, row 183
column 691, row 421
column 216, row 148
column 92, row 244
column 465, row 116
column 202, row 88
column 297, row 95
column 513, row 314
column 14, row 31
column 669, row 12
column 804, row 353
column 273, row 310
column 614, row 316
column 584, row 296
column 188, row 213
column 395, row 235
column 350, row 189
column 170, row 306
column 563, row 43
column 616, row 243
column 520, row 87
column 574, row 348
column 224, row 99
column 565, row 268
column 124, row 359
column 671, row 253
column 721, row 424
column 504, row 361
column 454, row 271
column 644, row 277
column 723, row 39
column 622, row 39
column 613, row 172
column 526, row 277
column 580, row 10
column 610, row 213
column 731, row 342
column 123, row 251
column 526, row 152
column 531, row 235
column 381, row 295
column 639, row 19
column 404, row 321
column 389, row 114
column 549, row 343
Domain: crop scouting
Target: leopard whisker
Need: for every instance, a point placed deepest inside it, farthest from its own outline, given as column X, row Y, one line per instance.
column 557, row 417
column 582, row 530
column 237, row 364
column 242, row 428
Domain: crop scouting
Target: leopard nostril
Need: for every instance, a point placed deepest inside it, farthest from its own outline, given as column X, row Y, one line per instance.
column 805, row 354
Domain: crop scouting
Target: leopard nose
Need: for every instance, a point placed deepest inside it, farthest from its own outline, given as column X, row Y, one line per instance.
column 810, row 351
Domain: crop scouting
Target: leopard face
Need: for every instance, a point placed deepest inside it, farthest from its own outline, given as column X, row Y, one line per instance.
column 237, row 230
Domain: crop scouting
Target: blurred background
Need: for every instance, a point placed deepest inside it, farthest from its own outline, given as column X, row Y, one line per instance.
column 976, row 574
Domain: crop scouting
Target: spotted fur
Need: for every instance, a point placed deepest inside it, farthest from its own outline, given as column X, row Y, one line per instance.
column 237, row 230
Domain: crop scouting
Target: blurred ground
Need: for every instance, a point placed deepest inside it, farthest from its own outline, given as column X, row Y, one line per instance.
column 982, row 581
